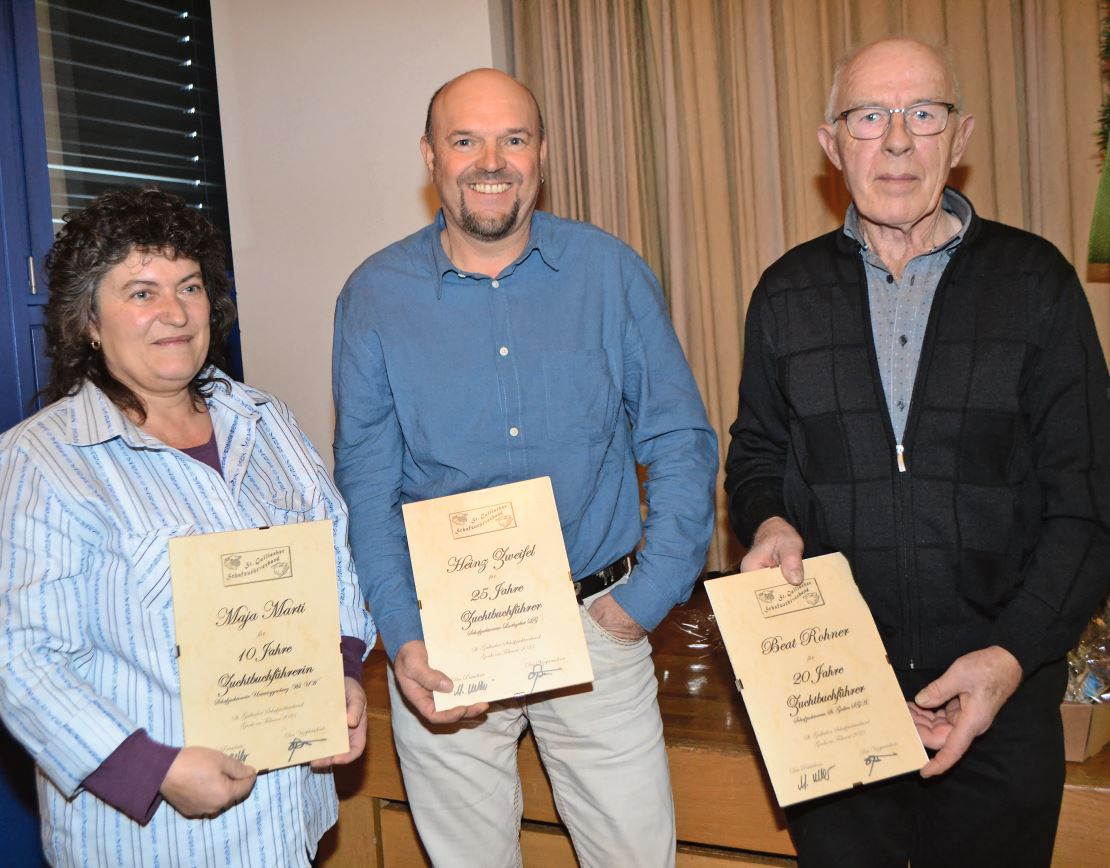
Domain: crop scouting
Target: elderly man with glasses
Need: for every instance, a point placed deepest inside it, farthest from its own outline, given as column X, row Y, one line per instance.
column 924, row 391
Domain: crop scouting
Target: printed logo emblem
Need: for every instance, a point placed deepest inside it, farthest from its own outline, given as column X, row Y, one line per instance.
column 787, row 598
column 485, row 519
column 260, row 565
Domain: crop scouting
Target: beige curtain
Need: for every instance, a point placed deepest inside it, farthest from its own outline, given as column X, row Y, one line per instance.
column 688, row 128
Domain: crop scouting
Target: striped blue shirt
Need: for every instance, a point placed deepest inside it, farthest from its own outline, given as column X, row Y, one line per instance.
column 88, row 502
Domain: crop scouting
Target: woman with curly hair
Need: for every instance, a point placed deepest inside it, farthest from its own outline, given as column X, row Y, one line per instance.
column 147, row 439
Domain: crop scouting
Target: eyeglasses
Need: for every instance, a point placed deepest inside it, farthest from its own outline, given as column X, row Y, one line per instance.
column 921, row 119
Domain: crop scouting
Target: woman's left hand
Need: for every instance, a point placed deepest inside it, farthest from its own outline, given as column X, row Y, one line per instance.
column 356, row 726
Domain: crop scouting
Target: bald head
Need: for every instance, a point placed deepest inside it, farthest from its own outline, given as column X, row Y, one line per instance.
column 485, row 152
column 895, row 54
column 896, row 177
column 491, row 79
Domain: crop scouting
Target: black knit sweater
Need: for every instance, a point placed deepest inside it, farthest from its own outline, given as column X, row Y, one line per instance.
column 998, row 531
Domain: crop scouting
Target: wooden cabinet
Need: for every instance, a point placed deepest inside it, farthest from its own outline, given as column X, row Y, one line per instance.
column 725, row 812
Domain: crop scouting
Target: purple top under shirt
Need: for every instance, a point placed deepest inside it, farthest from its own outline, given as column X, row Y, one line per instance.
column 130, row 778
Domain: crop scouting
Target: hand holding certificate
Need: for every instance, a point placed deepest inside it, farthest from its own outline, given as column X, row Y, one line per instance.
column 257, row 619
column 496, row 600
column 822, row 698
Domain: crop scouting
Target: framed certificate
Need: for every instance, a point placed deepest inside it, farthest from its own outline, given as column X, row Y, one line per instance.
column 257, row 620
column 823, row 700
column 496, row 599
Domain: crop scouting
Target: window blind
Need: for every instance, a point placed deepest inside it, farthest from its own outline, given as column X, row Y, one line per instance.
column 129, row 99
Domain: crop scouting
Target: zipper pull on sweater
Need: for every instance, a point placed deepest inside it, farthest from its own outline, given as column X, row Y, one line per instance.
column 901, row 452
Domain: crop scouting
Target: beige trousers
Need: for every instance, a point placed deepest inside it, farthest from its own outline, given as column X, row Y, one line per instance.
column 602, row 747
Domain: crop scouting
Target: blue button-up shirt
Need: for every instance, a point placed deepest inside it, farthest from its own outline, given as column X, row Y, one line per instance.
column 563, row 365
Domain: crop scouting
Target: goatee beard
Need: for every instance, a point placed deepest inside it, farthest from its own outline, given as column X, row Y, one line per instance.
column 488, row 228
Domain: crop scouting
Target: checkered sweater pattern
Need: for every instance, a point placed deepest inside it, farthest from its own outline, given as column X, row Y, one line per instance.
column 998, row 530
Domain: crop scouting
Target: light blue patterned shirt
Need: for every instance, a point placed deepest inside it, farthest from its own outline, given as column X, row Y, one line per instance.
column 900, row 308
column 88, row 502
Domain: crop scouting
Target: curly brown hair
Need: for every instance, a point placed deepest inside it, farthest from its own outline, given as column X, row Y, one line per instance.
column 92, row 242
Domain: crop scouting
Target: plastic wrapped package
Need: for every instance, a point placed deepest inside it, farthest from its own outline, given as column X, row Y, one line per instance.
column 699, row 631
column 1089, row 661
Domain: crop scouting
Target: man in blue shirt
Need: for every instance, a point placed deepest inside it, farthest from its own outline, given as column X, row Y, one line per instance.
column 501, row 344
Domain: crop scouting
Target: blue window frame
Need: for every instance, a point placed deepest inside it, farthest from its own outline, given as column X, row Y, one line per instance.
column 93, row 97
column 128, row 97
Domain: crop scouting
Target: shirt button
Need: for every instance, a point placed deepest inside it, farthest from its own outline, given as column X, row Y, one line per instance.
column 514, row 431
column 504, row 351
column 890, row 278
column 903, row 340
column 495, row 283
column 901, row 405
column 461, row 276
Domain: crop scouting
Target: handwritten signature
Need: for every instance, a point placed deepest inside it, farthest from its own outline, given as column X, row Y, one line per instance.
column 871, row 760
column 539, row 672
column 822, row 774
column 295, row 744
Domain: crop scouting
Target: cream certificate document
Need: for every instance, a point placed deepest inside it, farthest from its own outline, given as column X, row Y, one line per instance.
column 496, row 598
column 822, row 698
column 257, row 620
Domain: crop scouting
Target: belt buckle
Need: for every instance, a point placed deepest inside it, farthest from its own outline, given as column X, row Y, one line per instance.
column 620, row 569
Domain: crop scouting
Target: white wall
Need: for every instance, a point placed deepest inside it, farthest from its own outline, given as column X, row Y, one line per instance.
column 322, row 106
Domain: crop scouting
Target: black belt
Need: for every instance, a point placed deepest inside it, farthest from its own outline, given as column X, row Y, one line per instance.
column 589, row 585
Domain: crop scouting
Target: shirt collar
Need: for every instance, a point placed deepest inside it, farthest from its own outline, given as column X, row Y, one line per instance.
column 95, row 419
column 952, row 201
column 541, row 240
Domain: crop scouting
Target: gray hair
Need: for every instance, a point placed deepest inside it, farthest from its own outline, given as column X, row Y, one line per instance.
column 845, row 60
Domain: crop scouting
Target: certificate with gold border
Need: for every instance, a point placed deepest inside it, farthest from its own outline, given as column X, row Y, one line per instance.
column 822, row 698
column 257, row 620
column 496, row 598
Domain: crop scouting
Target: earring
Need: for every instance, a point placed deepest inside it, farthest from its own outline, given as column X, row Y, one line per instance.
column 95, row 344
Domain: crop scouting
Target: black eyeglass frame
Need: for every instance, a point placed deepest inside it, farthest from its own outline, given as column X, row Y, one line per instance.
column 891, row 112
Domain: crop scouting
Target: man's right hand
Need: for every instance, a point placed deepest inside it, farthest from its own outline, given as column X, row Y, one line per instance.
column 203, row 782
column 776, row 544
column 416, row 680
